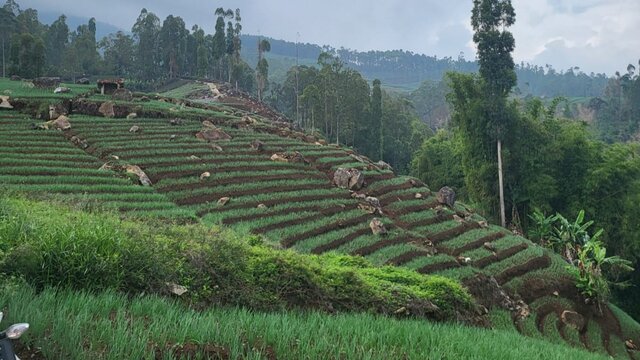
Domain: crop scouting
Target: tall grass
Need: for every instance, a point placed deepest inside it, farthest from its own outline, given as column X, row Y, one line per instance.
column 110, row 326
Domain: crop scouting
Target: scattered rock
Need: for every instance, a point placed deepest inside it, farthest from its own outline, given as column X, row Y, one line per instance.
column 175, row 122
column 402, row 310
column 142, row 177
column 418, row 196
column 106, row 109
column 377, row 227
column 212, row 134
column 351, row 179
column 215, row 147
column 630, row 345
column 193, row 157
column 490, row 246
column 81, row 143
column 223, row 201
column 257, row 145
column 373, row 201
column 208, row 124
column 573, row 319
column 145, row 99
column 359, row 196
column 122, row 94
column 173, row 137
column 134, row 129
column 61, row 90
column 248, row 120
column 289, row 157
column 458, row 219
column 463, row 260
column 556, row 293
column 83, row 81
column 383, row 165
column 361, row 158
column 483, row 224
column 368, row 208
column 262, row 206
column 61, row 123
column 115, row 157
column 46, row 82
column 205, row 175
column 4, row 103
column 132, row 116
column 522, row 310
column 416, row 183
column 177, row 289
column 446, row 196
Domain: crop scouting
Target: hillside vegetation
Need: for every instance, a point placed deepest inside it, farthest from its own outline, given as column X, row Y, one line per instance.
column 177, row 234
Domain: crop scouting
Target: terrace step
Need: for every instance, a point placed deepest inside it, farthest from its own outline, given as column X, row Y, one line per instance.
column 340, row 224
column 500, row 255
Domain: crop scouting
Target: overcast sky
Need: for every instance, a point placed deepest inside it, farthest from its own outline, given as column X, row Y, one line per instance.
column 595, row 35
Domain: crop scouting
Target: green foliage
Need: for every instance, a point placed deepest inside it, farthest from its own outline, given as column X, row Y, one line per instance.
column 593, row 271
column 438, row 163
column 50, row 245
column 146, row 327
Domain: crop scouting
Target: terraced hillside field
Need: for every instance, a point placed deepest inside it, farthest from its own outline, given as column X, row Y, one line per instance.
column 234, row 181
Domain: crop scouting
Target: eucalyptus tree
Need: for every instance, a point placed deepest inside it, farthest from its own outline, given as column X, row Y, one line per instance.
column 57, row 40
column 145, row 33
column 173, row 41
column 490, row 20
column 262, row 68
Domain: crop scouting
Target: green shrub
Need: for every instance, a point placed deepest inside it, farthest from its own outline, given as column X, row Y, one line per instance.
column 50, row 245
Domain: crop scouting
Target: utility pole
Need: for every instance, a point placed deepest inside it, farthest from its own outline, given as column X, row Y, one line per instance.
column 297, row 81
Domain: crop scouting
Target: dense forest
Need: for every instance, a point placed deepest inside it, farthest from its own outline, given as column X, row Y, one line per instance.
column 555, row 156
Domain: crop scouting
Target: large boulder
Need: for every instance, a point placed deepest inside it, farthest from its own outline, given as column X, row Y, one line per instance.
column 4, row 103
column 142, row 177
column 351, row 179
column 377, row 227
column 383, row 165
column 213, row 134
column 446, row 196
column 46, row 82
column 289, row 157
column 122, row 95
column 573, row 319
column 106, row 109
column 83, row 81
column 79, row 142
column 61, row 123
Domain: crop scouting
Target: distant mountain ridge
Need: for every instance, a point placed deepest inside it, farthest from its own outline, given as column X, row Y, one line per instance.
column 406, row 70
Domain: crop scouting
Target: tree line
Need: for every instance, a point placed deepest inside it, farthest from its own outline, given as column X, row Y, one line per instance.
column 155, row 50
column 338, row 102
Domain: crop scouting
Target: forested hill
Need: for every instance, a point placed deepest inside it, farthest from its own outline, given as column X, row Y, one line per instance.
column 406, row 70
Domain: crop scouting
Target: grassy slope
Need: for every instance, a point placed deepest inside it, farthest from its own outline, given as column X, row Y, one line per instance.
column 111, row 326
column 161, row 158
